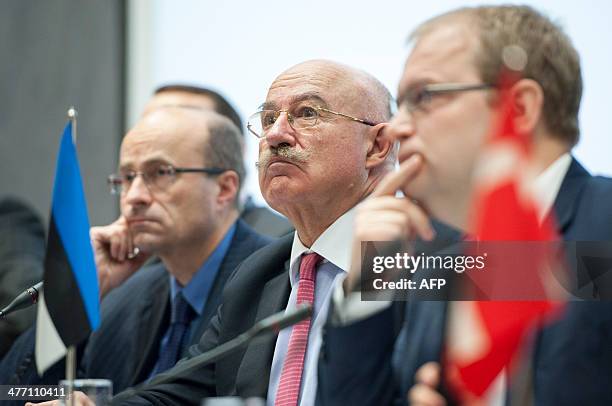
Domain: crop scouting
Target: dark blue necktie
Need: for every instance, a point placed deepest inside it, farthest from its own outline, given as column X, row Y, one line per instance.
column 182, row 314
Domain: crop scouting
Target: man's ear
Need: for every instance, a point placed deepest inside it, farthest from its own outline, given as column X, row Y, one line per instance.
column 379, row 145
column 228, row 183
column 528, row 98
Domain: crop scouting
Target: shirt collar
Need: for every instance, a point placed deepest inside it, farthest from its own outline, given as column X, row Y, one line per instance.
column 548, row 183
column 197, row 290
column 334, row 245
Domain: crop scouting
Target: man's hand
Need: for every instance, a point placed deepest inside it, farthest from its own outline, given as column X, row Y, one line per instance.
column 80, row 399
column 384, row 217
column 424, row 392
column 115, row 254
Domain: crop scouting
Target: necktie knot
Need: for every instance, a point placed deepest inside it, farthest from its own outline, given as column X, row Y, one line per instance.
column 308, row 266
column 182, row 312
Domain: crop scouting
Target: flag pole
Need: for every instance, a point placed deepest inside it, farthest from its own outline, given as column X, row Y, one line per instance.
column 71, row 350
column 72, row 116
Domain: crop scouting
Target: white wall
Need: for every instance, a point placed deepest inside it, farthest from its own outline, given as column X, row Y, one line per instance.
column 240, row 46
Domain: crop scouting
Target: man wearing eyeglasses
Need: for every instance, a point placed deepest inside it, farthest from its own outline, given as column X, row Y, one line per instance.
column 446, row 105
column 178, row 181
column 262, row 219
column 321, row 151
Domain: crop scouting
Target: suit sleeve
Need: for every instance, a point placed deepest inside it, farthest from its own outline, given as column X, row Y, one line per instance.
column 178, row 386
column 18, row 366
column 355, row 366
column 22, row 251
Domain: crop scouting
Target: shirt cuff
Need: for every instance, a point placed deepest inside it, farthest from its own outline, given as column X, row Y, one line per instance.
column 350, row 308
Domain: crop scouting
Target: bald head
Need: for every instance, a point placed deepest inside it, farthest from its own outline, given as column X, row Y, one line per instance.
column 177, row 123
column 191, row 96
column 208, row 138
column 329, row 151
column 356, row 88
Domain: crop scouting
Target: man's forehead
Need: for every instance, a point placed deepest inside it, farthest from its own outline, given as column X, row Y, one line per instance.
column 152, row 160
column 450, row 38
column 146, row 152
column 445, row 53
column 314, row 97
column 316, row 79
column 167, row 139
column 145, row 142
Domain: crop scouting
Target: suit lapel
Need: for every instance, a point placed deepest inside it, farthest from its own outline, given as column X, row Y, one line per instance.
column 254, row 372
column 244, row 243
column 569, row 194
column 198, row 329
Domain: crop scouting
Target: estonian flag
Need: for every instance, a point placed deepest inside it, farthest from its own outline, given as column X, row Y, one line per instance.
column 69, row 307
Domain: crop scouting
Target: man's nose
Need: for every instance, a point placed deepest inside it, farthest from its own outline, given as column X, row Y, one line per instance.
column 402, row 125
column 138, row 193
column 281, row 133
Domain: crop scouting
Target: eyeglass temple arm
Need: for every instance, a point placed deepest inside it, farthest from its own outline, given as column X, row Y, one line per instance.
column 359, row 120
column 202, row 170
column 459, row 87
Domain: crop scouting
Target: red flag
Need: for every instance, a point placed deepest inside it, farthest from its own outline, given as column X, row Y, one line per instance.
column 483, row 337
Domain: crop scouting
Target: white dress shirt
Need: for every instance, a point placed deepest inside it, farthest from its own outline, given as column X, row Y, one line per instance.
column 334, row 245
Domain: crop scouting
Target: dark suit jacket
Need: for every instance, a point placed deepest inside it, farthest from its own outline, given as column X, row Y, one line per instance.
column 134, row 318
column 259, row 288
column 572, row 358
column 22, row 252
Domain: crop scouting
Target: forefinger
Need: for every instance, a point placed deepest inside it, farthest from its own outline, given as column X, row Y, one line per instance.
column 392, row 182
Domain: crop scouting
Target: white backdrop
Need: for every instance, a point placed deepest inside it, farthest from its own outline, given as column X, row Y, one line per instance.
column 239, row 47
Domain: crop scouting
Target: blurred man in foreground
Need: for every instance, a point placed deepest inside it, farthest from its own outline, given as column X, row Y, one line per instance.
column 447, row 100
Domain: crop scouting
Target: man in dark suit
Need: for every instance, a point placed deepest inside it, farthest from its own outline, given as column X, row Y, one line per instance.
column 322, row 150
column 262, row 219
column 445, row 108
column 178, row 181
column 22, row 251
column 319, row 118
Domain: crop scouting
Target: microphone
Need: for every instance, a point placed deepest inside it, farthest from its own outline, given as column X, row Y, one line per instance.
column 272, row 324
column 25, row 299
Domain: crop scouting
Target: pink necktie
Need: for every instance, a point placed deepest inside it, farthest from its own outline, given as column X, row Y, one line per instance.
column 291, row 376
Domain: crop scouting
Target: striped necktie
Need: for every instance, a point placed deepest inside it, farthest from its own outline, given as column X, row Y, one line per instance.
column 291, row 376
column 182, row 314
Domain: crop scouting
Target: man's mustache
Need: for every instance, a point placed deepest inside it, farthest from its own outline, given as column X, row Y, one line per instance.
column 285, row 152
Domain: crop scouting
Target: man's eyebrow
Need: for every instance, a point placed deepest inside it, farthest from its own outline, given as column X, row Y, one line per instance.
column 155, row 160
column 309, row 96
column 125, row 166
column 406, row 90
column 267, row 106
column 403, row 95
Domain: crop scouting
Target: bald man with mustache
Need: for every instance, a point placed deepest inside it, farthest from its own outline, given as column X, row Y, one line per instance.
column 322, row 150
